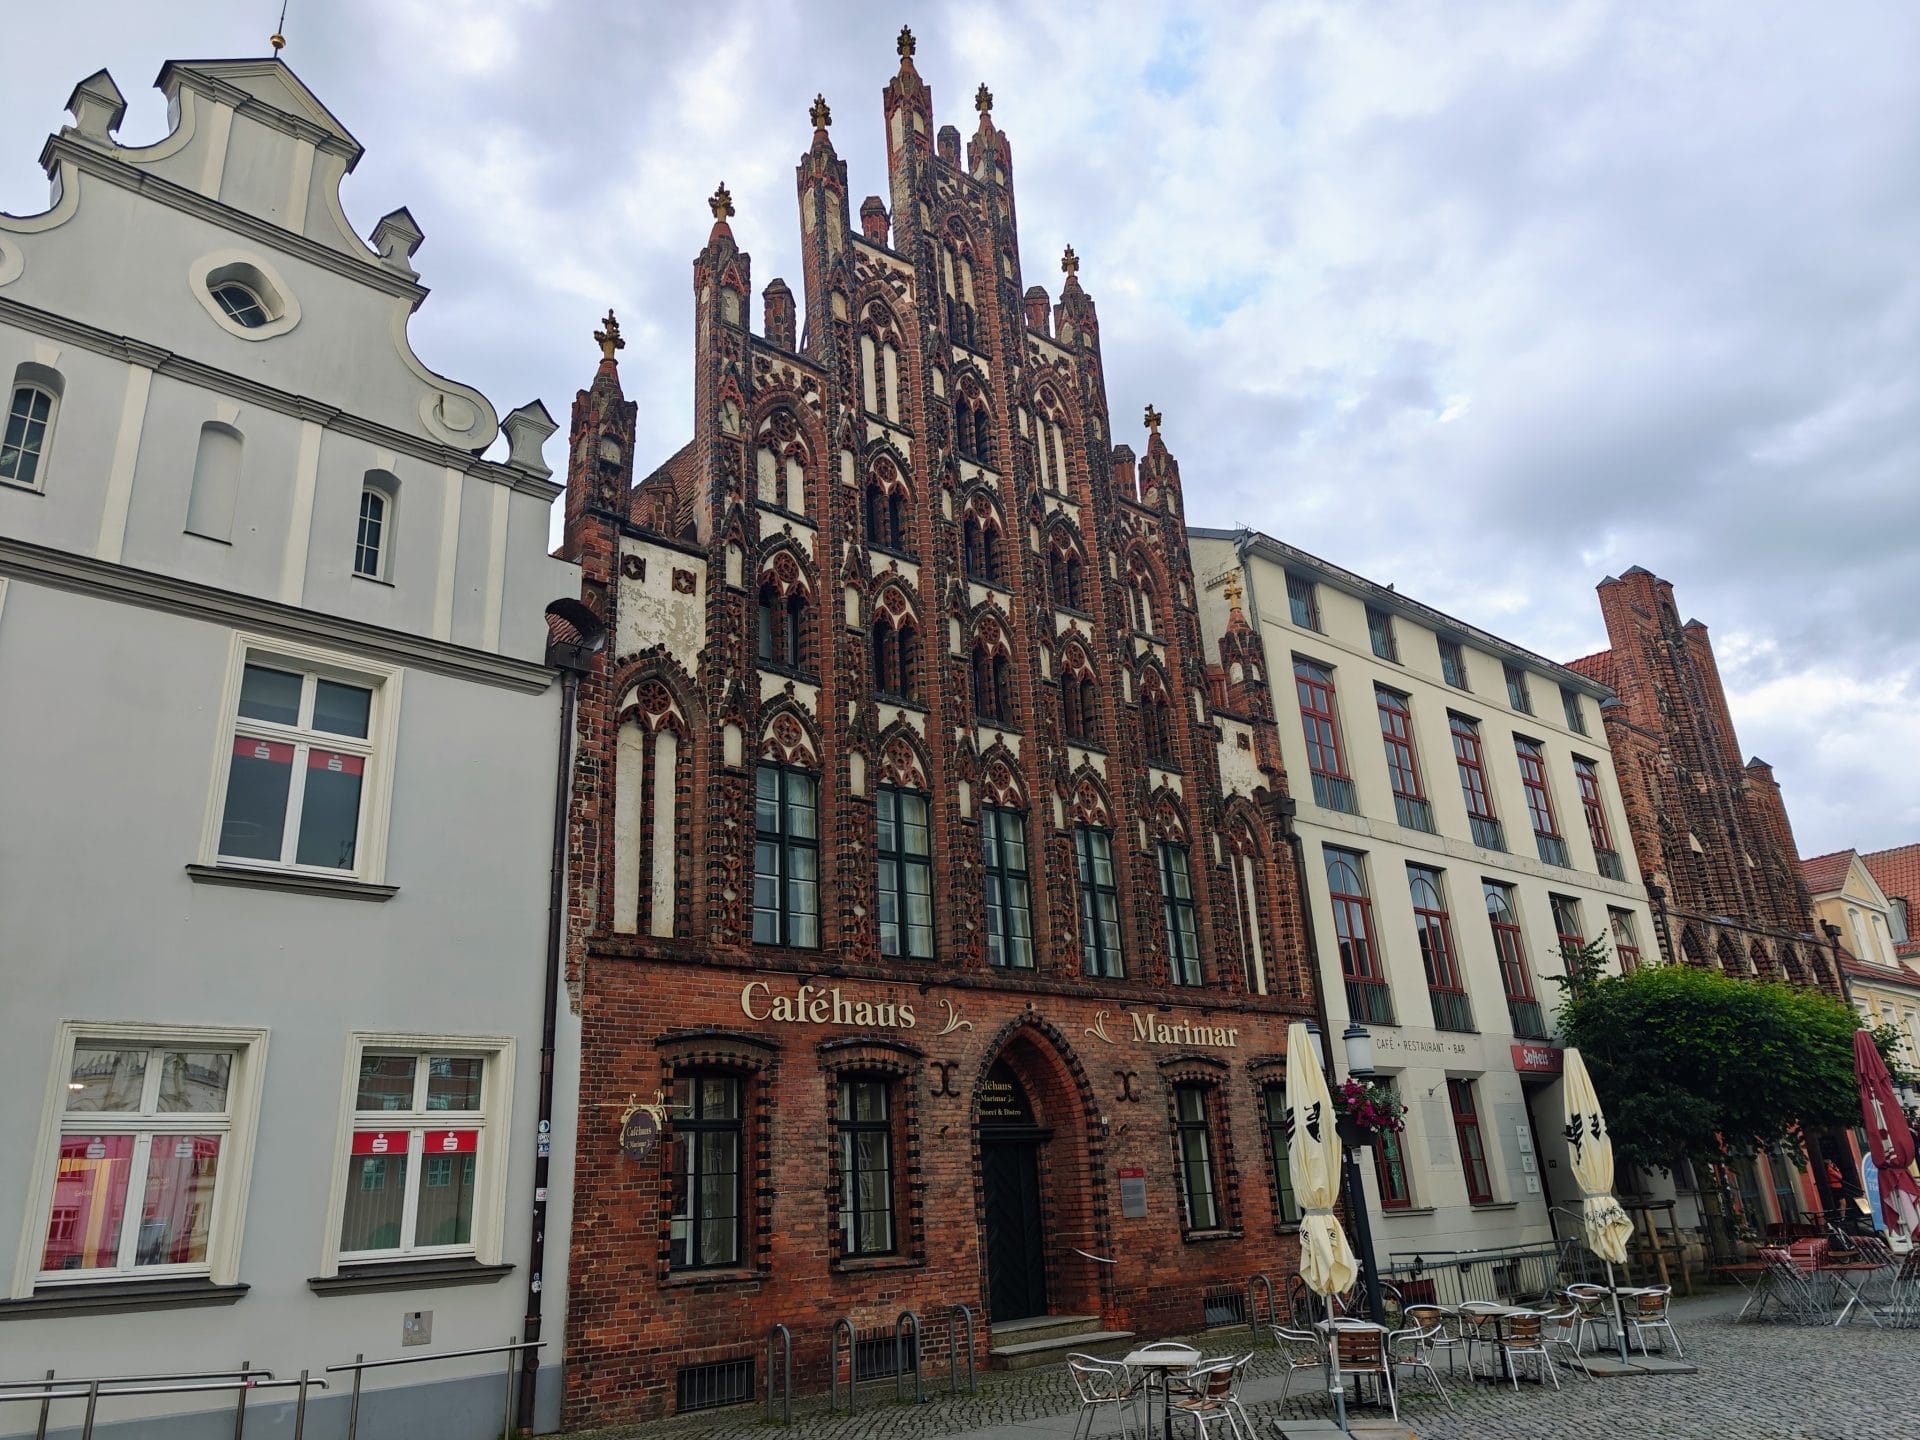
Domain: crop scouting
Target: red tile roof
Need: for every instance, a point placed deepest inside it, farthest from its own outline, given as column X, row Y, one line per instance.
column 1598, row 666
column 1897, row 872
column 1827, row 873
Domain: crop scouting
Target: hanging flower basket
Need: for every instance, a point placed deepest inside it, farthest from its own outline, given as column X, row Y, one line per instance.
column 1371, row 1108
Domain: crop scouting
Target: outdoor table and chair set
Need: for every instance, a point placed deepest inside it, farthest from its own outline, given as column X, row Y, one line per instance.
column 1811, row 1283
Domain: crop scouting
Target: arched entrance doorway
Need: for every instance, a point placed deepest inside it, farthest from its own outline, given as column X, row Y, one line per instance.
column 1015, row 1238
column 1041, row 1155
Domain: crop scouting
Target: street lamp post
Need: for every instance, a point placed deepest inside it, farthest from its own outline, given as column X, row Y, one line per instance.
column 1359, row 1047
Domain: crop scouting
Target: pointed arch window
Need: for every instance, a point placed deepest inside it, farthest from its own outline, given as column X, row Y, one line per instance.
column 991, row 700
column 895, row 657
column 1064, row 578
column 886, row 511
column 980, row 546
column 1078, row 712
column 1156, row 726
column 781, row 627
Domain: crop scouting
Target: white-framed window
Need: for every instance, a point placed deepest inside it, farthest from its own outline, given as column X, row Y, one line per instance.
column 144, row 1155
column 26, row 428
column 373, row 533
column 244, row 294
column 421, row 1160
column 305, row 772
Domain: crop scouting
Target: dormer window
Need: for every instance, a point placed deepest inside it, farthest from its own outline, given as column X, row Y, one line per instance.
column 242, row 306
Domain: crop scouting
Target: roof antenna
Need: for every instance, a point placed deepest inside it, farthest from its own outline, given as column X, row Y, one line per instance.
column 278, row 40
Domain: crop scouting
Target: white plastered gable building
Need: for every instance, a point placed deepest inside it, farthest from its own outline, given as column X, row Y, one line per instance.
column 277, row 747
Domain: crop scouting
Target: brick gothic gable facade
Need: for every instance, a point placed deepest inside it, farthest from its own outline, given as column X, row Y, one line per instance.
column 1721, row 866
column 904, row 648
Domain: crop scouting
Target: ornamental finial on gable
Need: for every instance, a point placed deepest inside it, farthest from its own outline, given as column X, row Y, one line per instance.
column 721, row 203
column 821, row 116
column 983, row 98
column 1070, row 262
column 905, row 43
column 609, row 337
column 1153, row 419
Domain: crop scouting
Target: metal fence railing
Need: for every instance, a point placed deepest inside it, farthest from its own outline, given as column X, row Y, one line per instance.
column 243, row 1382
column 514, row 1347
column 1512, row 1274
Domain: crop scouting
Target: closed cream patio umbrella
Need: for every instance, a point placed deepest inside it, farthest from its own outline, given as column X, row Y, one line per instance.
column 1313, row 1157
column 1606, row 1224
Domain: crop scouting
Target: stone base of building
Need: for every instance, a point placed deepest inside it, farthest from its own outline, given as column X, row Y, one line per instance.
column 1044, row 1154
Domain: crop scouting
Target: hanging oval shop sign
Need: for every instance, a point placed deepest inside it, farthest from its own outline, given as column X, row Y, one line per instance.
column 639, row 1133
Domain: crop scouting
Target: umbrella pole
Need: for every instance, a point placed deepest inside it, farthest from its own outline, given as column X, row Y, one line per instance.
column 1619, row 1323
column 1333, row 1372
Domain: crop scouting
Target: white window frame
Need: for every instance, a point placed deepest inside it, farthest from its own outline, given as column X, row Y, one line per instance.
column 42, row 380
column 494, row 1121
column 386, row 486
column 228, row 1222
column 376, row 791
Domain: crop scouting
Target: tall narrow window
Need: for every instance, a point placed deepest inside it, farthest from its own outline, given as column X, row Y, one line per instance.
column 1380, row 634
column 1566, row 925
column 216, row 482
column 1410, row 805
column 865, row 1123
column 1369, row 1000
column 1099, row 903
column 1453, row 664
column 1576, row 714
column 906, row 873
column 1303, row 602
column 780, row 627
column 1586, row 774
column 1390, row 1165
column 1518, row 695
column 1009, row 910
column 1156, row 727
column 1533, row 779
column 1332, row 787
column 368, row 551
column 1516, row 975
column 1434, row 926
column 1626, row 941
column 1473, row 783
column 1176, row 906
column 1287, row 1203
column 708, row 1130
column 990, row 698
column 23, row 443
column 1473, row 1150
column 786, row 857
column 1198, row 1193
column 886, row 662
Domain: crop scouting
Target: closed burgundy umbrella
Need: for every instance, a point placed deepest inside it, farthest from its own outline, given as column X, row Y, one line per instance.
column 1887, row 1136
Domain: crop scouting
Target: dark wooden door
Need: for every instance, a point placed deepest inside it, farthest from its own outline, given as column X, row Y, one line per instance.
column 1016, row 1242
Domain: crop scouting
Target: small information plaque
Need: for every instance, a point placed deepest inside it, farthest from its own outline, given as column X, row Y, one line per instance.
column 1133, row 1192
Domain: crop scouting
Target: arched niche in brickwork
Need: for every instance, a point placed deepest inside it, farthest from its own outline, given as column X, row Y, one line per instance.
column 896, row 640
column 1249, row 856
column 1790, row 965
column 1167, row 818
column 787, row 735
column 1066, row 1114
column 648, row 873
column 1089, row 803
column 904, row 761
column 1069, row 585
column 1761, row 962
column 782, row 457
column 1079, row 689
column 883, row 354
column 984, row 549
column 1692, row 950
column 1728, row 954
column 886, row 499
column 1000, row 779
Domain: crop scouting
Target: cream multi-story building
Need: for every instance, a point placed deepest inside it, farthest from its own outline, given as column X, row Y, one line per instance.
column 1460, row 823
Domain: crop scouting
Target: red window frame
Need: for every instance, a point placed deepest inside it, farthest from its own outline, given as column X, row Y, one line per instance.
column 1314, row 685
column 1353, row 919
column 1565, row 936
column 1533, row 779
column 1390, row 1168
column 1473, row 1149
column 1586, row 775
column 1473, row 768
column 1435, row 928
column 1516, row 975
column 1623, row 938
column 1396, row 732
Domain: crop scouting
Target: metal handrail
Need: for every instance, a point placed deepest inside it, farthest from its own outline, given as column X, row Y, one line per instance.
column 845, row 1322
column 1253, row 1309
column 953, row 1350
column 239, row 1372
column 900, row 1359
column 514, row 1346
column 785, row 1337
column 94, row 1390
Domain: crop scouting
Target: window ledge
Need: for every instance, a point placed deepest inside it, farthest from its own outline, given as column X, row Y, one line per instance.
column 1495, row 1205
column 1396, row 1212
column 289, row 880
column 857, row 1264
column 109, row 1297
column 31, row 489
column 1207, row 1237
column 405, row 1274
column 881, row 548
column 373, row 579
column 689, row 1279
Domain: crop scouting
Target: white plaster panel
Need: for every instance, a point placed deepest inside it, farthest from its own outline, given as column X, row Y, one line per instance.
column 1239, row 769
column 651, row 612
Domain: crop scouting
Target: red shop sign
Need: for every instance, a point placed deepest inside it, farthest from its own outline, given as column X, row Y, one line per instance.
column 333, row 760
column 1132, row 1172
column 248, row 748
column 1537, row 1059
column 379, row 1142
column 451, row 1142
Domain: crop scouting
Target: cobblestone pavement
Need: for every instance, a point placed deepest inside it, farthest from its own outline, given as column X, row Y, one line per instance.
column 1756, row 1382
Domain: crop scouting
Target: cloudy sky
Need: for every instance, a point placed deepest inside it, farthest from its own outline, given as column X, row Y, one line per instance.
column 1488, row 300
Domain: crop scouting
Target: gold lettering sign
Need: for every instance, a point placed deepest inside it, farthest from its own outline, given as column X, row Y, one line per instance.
column 1149, row 1027
column 822, row 1005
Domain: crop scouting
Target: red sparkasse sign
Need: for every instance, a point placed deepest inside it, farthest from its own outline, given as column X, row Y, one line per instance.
column 1537, row 1059
column 379, row 1142
column 1132, row 1172
column 451, row 1142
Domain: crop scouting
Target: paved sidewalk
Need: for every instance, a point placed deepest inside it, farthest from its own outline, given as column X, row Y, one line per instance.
column 1756, row 1382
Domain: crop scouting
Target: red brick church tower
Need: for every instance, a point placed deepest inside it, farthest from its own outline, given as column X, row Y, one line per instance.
column 931, row 936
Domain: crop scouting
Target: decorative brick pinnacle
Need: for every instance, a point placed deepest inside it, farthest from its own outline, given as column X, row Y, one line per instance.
column 821, row 116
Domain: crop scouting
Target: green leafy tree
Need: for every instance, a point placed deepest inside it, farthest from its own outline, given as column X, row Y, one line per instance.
column 1693, row 1062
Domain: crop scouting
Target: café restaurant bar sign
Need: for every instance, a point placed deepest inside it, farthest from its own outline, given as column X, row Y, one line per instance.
column 822, row 1005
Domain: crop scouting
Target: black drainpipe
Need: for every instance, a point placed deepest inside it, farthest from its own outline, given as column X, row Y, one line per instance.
column 576, row 639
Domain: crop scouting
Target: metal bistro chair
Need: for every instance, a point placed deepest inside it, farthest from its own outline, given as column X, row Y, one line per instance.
column 1413, row 1349
column 1790, row 1288
column 1903, row 1300
column 1525, row 1335
column 1299, row 1350
column 1443, row 1326
column 1562, row 1328
column 1649, row 1313
column 1100, row 1384
column 1480, row 1326
column 1211, row 1399
column 1362, row 1350
column 1596, row 1314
